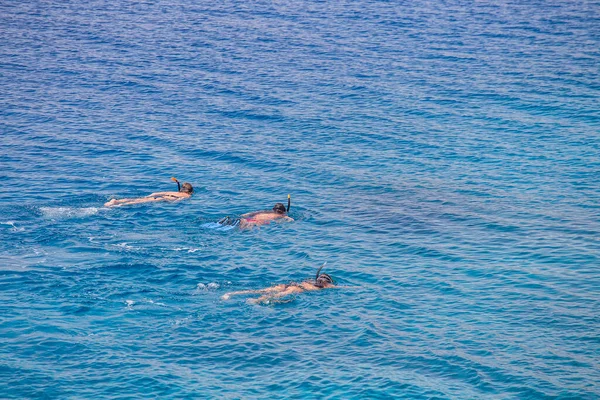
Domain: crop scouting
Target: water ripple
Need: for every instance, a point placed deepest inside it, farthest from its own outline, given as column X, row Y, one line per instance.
column 442, row 158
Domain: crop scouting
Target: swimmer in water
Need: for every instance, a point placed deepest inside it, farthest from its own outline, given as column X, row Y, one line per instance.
column 277, row 292
column 278, row 213
column 184, row 192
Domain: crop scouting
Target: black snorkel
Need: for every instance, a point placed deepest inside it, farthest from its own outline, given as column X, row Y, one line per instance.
column 321, row 280
column 178, row 184
column 289, row 204
column 319, row 271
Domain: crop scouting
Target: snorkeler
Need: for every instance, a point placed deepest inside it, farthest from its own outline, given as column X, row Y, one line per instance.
column 183, row 192
column 274, row 293
column 278, row 213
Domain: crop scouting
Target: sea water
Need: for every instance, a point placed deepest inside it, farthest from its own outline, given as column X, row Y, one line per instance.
column 442, row 157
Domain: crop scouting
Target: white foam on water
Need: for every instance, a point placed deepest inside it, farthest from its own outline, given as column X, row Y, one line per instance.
column 206, row 287
column 182, row 321
column 68, row 212
column 125, row 246
column 129, row 303
column 15, row 228
column 214, row 225
column 156, row 302
column 188, row 249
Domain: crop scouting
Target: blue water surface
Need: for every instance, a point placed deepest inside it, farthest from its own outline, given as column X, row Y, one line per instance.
column 443, row 158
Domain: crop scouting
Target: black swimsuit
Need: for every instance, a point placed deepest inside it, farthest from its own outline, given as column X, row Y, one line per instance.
column 293, row 284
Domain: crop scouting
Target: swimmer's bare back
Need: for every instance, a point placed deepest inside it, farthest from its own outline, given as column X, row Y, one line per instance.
column 262, row 218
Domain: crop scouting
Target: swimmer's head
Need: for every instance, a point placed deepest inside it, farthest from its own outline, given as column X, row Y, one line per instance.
column 279, row 208
column 324, row 280
column 187, row 188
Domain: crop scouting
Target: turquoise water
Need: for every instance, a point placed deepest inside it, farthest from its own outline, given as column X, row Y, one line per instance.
column 443, row 158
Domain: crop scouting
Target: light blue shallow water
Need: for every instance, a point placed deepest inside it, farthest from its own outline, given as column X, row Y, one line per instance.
column 443, row 158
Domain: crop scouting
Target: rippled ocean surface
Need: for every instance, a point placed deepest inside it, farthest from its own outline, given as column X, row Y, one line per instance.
column 443, row 158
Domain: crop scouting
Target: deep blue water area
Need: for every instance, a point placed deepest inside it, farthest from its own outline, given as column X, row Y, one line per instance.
column 443, row 158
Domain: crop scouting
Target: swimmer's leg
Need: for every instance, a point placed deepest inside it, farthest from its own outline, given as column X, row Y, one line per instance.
column 261, row 299
column 226, row 296
column 111, row 203
column 267, row 298
column 128, row 202
column 115, row 202
column 272, row 289
column 276, row 295
column 244, row 224
column 148, row 200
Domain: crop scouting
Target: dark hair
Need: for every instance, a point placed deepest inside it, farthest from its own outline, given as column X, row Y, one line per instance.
column 187, row 188
column 279, row 208
column 322, row 280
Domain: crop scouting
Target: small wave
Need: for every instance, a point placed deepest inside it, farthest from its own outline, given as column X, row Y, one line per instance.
column 15, row 228
column 131, row 303
column 214, row 225
column 68, row 212
column 188, row 249
column 210, row 286
column 156, row 302
column 181, row 321
column 204, row 287
column 126, row 246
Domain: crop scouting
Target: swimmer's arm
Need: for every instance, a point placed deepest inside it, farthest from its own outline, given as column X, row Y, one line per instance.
column 286, row 219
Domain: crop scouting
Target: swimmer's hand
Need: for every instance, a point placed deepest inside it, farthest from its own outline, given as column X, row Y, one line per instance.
column 225, row 296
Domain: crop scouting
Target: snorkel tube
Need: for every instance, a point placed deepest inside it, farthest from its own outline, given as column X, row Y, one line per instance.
column 321, row 280
column 319, row 271
column 289, row 204
column 178, row 184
